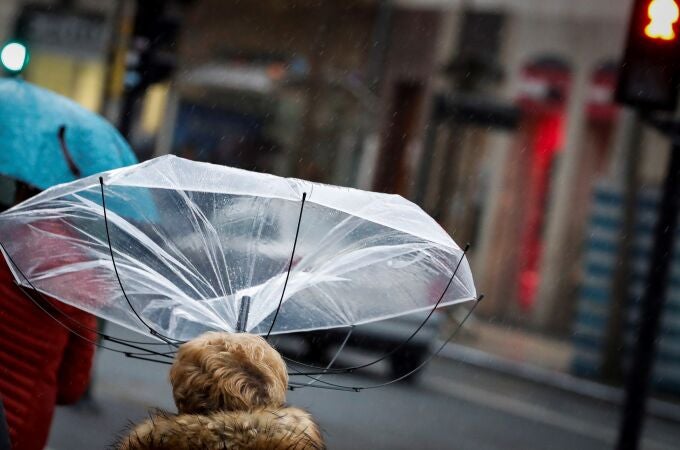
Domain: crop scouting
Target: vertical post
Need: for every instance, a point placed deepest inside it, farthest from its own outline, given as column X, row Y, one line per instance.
column 375, row 72
column 429, row 151
column 639, row 375
column 612, row 367
column 113, row 57
column 131, row 99
column 318, row 56
column 244, row 310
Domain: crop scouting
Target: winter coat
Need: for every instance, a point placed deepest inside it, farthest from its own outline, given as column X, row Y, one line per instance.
column 259, row 429
column 41, row 362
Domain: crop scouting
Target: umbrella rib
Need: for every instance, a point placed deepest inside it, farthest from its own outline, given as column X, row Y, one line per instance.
column 296, row 385
column 79, row 335
column 433, row 355
column 290, row 265
column 330, row 364
column 401, row 345
column 113, row 339
column 334, row 386
column 144, row 358
column 120, row 282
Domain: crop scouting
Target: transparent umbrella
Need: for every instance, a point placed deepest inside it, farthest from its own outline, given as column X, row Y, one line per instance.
column 230, row 250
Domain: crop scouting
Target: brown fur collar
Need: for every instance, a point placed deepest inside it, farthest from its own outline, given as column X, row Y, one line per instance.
column 259, row 429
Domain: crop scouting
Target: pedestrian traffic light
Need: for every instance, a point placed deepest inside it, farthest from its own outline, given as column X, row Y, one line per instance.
column 662, row 15
column 14, row 57
column 650, row 70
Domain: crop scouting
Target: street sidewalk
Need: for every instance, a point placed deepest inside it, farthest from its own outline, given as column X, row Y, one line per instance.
column 536, row 358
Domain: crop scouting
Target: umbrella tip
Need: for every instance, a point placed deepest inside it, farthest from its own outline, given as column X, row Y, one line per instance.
column 480, row 298
column 101, row 180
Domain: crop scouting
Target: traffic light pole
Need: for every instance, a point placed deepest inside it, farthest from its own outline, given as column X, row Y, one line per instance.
column 151, row 54
column 639, row 374
column 131, row 98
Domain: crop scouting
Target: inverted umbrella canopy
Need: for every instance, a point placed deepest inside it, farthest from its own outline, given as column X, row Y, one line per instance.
column 344, row 256
column 31, row 150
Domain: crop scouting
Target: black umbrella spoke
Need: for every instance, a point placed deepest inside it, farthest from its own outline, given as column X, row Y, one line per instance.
column 328, row 385
column 400, row 345
column 432, row 355
column 290, row 265
column 78, row 334
column 43, row 305
column 153, row 332
column 292, row 386
column 54, row 310
column 330, row 364
column 144, row 358
column 169, row 354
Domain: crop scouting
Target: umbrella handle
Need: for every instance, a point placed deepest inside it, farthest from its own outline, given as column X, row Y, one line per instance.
column 61, row 134
column 244, row 310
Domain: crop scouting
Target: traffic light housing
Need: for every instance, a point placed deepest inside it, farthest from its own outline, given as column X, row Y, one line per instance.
column 650, row 70
column 152, row 56
column 14, row 57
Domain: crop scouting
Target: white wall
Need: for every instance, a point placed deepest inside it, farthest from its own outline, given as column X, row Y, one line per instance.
column 579, row 41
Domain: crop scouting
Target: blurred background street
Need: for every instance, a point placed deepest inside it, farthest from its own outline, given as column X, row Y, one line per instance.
column 497, row 117
column 455, row 405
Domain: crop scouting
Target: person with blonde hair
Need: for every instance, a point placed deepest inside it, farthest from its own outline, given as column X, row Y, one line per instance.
column 230, row 392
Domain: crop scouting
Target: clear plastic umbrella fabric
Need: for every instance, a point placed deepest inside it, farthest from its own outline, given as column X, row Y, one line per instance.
column 191, row 240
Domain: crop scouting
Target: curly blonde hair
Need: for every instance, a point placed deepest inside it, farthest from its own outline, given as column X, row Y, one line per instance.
column 227, row 372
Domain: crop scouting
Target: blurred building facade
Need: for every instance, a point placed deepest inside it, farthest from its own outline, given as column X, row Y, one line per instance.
column 537, row 209
column 349, row 93
column 496, row 116
column 558, row 64
column 69, row 43
column 303, row 82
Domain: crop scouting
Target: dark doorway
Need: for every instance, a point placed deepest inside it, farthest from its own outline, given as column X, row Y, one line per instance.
column 391, row 174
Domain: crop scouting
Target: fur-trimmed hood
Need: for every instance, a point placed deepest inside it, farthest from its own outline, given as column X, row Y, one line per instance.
column 259, row 429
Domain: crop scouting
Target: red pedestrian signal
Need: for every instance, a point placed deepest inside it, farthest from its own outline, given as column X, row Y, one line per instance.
column 663, row 15
column 649, row 75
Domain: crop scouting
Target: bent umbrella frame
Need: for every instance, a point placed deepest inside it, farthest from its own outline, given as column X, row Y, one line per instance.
column 164, row 350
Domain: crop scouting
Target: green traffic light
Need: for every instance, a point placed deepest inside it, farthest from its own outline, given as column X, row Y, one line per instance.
column 14, row 57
